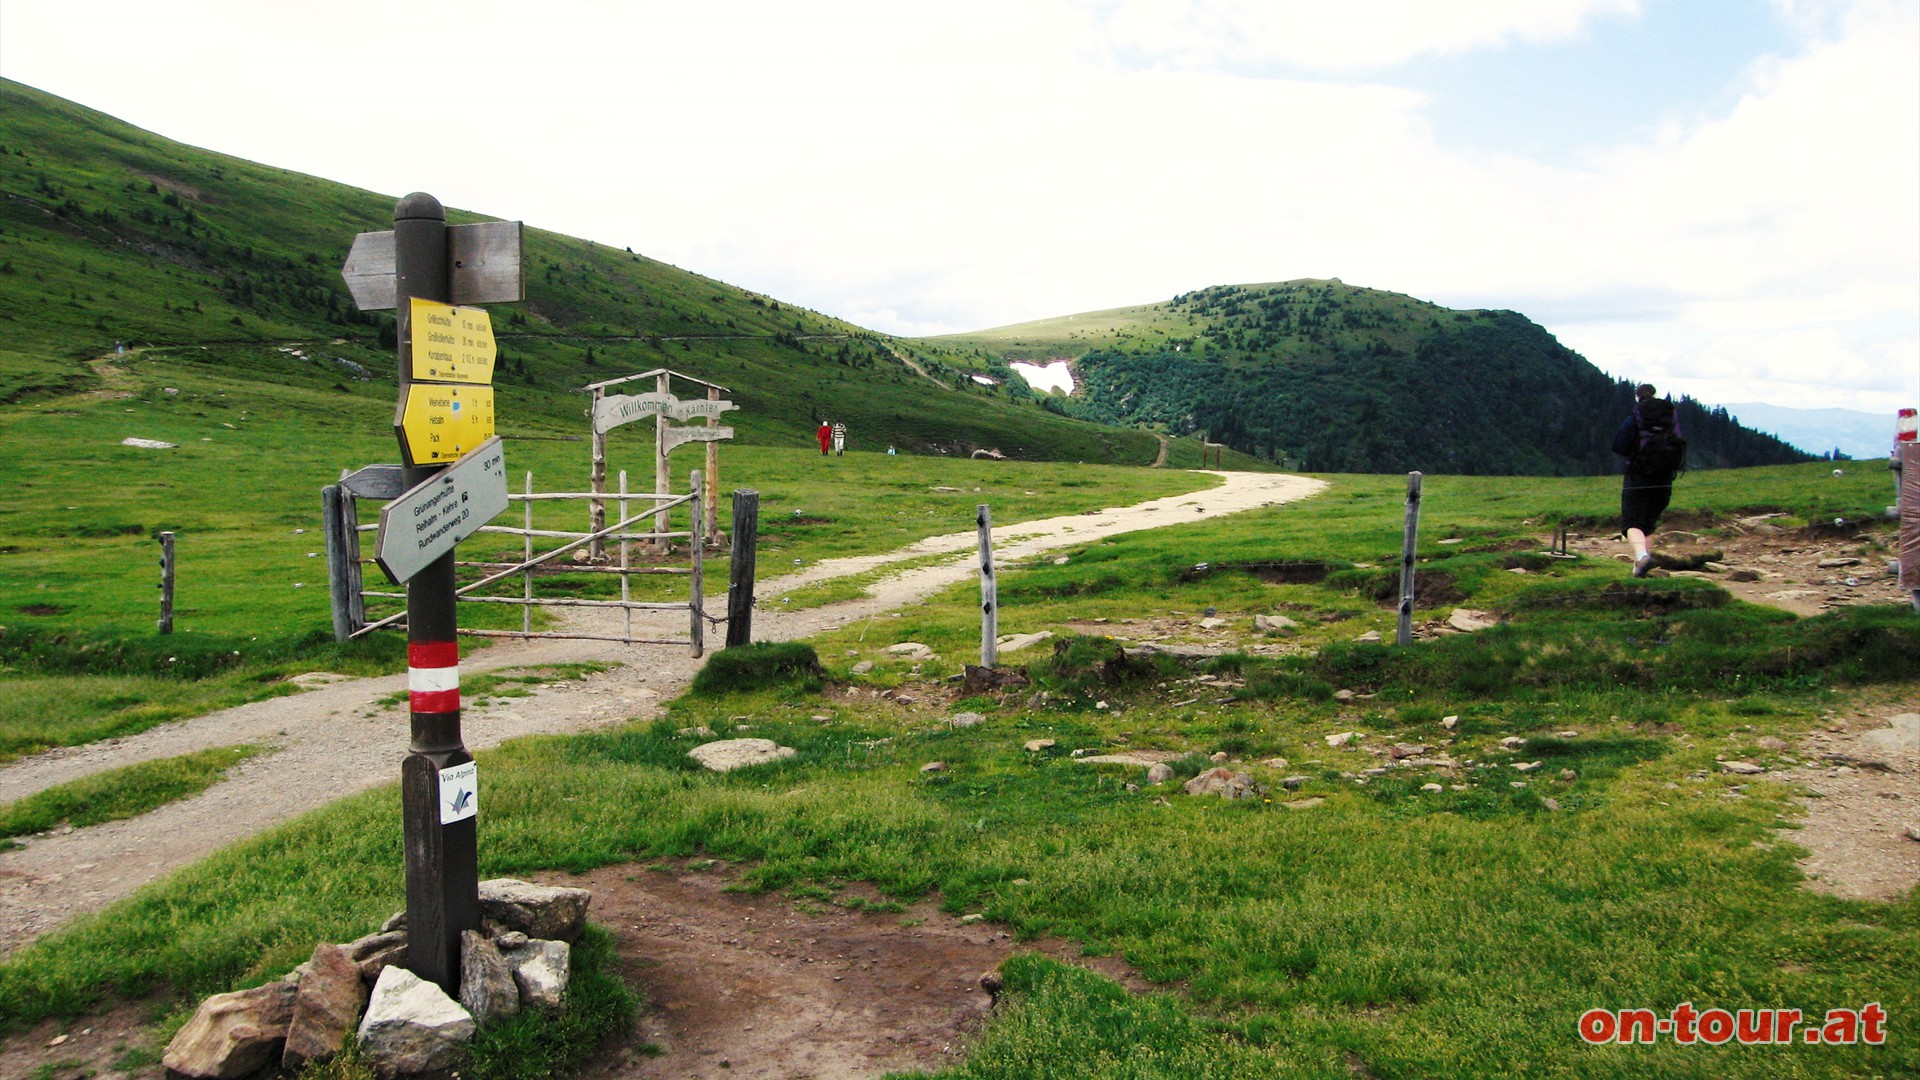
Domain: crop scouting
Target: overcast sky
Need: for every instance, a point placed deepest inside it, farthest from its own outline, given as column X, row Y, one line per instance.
column 1719, row 196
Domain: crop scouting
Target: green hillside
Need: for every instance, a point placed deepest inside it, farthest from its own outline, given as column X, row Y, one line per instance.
column 110, row 234
column 1327, row 376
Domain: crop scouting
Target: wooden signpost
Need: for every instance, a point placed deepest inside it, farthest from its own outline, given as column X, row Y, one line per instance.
column 613, row 410
column 428, row 273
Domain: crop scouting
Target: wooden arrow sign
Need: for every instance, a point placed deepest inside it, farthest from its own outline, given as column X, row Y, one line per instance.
column 486, row 257
column 676, row 436
column 426, row 521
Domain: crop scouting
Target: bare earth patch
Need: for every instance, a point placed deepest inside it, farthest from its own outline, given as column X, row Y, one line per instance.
column 1857, row 822
column 756, row 985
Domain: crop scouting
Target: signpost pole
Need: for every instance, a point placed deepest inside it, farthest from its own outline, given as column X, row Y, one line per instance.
column 1403, row 633
column 442, row 860
column 166, row 583
column 989, row 592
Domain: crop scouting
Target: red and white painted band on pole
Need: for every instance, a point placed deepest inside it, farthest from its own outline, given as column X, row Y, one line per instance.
column 433, row 676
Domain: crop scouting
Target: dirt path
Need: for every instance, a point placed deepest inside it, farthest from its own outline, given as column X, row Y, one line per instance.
column 339, row 737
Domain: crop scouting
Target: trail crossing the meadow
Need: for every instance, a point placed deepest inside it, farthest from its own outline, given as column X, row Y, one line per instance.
column 342, row 735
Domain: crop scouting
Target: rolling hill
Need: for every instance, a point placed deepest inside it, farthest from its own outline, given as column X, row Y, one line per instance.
column 112, row 235
column 1327, row 376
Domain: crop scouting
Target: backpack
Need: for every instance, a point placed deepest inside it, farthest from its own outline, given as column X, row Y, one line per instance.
column 1661, row 450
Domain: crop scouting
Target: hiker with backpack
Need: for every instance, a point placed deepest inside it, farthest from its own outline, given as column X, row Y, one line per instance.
column 1650, row 440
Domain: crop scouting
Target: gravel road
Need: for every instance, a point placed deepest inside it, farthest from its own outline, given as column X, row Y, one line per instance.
column 336, row 738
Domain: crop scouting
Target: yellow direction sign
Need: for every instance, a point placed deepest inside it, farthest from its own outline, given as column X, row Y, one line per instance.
column 452, row 344
column 440, row 423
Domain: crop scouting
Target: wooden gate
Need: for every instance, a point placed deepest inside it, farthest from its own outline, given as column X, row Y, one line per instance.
column 644, row 531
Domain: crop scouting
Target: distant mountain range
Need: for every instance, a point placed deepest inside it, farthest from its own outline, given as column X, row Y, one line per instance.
column 1855, row 434
column 1330, row 377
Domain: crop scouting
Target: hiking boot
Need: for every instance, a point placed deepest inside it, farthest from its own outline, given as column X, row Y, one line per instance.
column 1641, row 565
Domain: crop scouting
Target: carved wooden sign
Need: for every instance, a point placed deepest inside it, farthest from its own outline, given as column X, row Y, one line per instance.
column 676, row 436
column 615, row 409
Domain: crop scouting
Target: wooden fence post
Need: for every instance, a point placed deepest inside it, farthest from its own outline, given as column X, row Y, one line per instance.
column 989, row 592
column 697, row 566
column 339, row 582
column 597, row 477
column 1407, row 548
column 746, row 534
column 166, row 583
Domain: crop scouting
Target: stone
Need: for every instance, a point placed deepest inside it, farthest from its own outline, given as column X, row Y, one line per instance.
column 1217, row 756
column 1890, row 747
column 1406, row 750
column 1222, row 782
column 412, row 1026
column 1159, row 773
column 933, row 767
column 1450, row 722
column 1016, row 642
column 1835, row 564
column 1275, row 763
column 1741, row 768
column 701, row 732
column 1743, row 574
column 1292, row 783
column 729, row 754
column 1274, row 624
column 1769, row 742
column 966, row 719
column 1344, row 696
column 1913, row 832
column 542, row 969
column 1034, row 746
column 1525, row 766
column 1371, row 637
column 1467, row 620
column 979, row 680
column 1550, row 803
column 326, row 1006
column 1343, row 738
column 862, row 667
column 512, row 939
column 912, row 650
column 1568, row 775
column 232, row 1035
column 1212, row 622
column 1127, row 757
column 487, row 987
column 1304, row 804
column 1512, row 742
column 538, row 911
column 1433, row 789
column 375, row 951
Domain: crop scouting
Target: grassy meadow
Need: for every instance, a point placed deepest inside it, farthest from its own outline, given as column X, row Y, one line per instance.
column 1354, row 924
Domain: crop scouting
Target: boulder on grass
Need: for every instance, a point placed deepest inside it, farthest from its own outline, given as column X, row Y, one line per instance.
column 325, row 1009
column 1222, row 782
column 234, row 1034
column 538, row 911
column 412, row 1026
column 487, row 987
column 542, row 970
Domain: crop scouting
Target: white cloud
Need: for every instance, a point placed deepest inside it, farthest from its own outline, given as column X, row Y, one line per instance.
column 1347, row 36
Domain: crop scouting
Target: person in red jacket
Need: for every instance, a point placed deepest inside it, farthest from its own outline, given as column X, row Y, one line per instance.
column 825, row 435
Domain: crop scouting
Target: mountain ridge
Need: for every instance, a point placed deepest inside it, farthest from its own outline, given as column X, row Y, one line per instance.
column 1322, row 375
